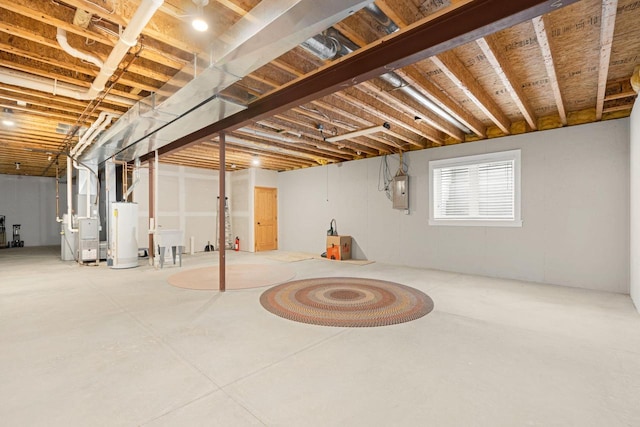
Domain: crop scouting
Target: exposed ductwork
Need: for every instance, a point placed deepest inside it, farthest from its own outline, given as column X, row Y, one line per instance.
column 272, row 28
column 322, row 46
column 61, row 36
column 399, row 83
column 384, row 21
column 334, row 44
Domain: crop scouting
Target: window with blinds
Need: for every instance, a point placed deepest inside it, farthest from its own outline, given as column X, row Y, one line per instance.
column 476, row 190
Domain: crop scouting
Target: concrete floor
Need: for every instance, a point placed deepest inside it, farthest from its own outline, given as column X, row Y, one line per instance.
column 91, row 346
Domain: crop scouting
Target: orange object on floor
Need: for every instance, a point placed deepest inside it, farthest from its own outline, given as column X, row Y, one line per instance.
column 333, row 252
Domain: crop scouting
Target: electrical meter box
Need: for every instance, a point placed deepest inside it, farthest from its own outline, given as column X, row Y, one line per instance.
column 400, row 192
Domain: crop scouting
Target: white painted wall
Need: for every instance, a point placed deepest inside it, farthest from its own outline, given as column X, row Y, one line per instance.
column 243, row 184
column 187, row 200
column 575, row 210
column 31, row 202
column 634, row 233
column 242, row 208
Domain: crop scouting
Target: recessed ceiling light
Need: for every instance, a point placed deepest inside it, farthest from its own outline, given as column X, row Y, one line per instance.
column 199, row 24
column 8, row 122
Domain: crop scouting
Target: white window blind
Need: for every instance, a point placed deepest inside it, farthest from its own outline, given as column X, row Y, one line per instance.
column 476, row 190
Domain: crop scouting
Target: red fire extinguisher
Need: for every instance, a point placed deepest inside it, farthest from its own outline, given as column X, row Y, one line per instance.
column 237, row 246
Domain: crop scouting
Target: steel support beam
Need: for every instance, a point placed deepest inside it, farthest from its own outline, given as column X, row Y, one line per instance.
column 419, row 41
column 221, row 210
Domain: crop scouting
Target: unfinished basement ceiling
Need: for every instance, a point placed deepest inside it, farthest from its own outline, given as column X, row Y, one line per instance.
column 568, row 67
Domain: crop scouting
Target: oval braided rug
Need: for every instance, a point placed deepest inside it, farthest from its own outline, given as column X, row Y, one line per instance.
column 346, row 302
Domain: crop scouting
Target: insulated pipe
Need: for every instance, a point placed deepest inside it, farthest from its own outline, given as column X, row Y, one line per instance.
column 61, row 36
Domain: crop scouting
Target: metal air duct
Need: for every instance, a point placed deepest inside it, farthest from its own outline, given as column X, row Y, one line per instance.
column 271, row 29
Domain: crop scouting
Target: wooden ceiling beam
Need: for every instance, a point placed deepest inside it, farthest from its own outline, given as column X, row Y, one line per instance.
column 300, row 144
column 617, row 108
column 425, row 38
column 232, row 7
column 53, row 99
column 71, row 119
column 343, row 107
column 90, row 69
column 457, row 72
column 236, row 153
column 607, row 27
column 74, row 67
column 49, row 107
column 507, row 77
column 364, row 101
column 279, row 149
column 161, row 27
column 543, row 41
column 318, row 141
column 358, row 120
column 411, row 108
column 275, row 155
column 414, row 77
column 391, row 12
column 66, row 79
column 370, row 145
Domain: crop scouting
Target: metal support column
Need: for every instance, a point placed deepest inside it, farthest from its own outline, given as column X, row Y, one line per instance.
column 152, row 211
column 221, row 242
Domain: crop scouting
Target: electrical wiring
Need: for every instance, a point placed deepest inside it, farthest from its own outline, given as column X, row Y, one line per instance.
column 385, row 176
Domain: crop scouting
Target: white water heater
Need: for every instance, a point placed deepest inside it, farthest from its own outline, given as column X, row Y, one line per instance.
column 123, row 235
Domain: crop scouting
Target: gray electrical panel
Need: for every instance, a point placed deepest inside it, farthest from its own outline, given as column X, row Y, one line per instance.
column 88, row 240
column 400, row 192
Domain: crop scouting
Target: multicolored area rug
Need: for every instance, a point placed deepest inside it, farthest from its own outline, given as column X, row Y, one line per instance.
column 346, row 302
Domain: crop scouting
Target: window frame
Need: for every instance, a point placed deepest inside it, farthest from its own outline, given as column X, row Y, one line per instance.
column 514, row 155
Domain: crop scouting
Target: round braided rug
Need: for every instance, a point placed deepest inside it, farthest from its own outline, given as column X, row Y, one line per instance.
column 346, row 302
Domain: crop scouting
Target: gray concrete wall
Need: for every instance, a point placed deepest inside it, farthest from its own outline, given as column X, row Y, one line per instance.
column 31, row 202
column 575, row 211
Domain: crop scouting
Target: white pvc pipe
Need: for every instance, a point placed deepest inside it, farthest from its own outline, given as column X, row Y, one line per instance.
column 61, row 36
column 128, row 38
column 137, row 175
column 70, row 196
column 43, row 84
column 80, row 167
column 103, row 120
